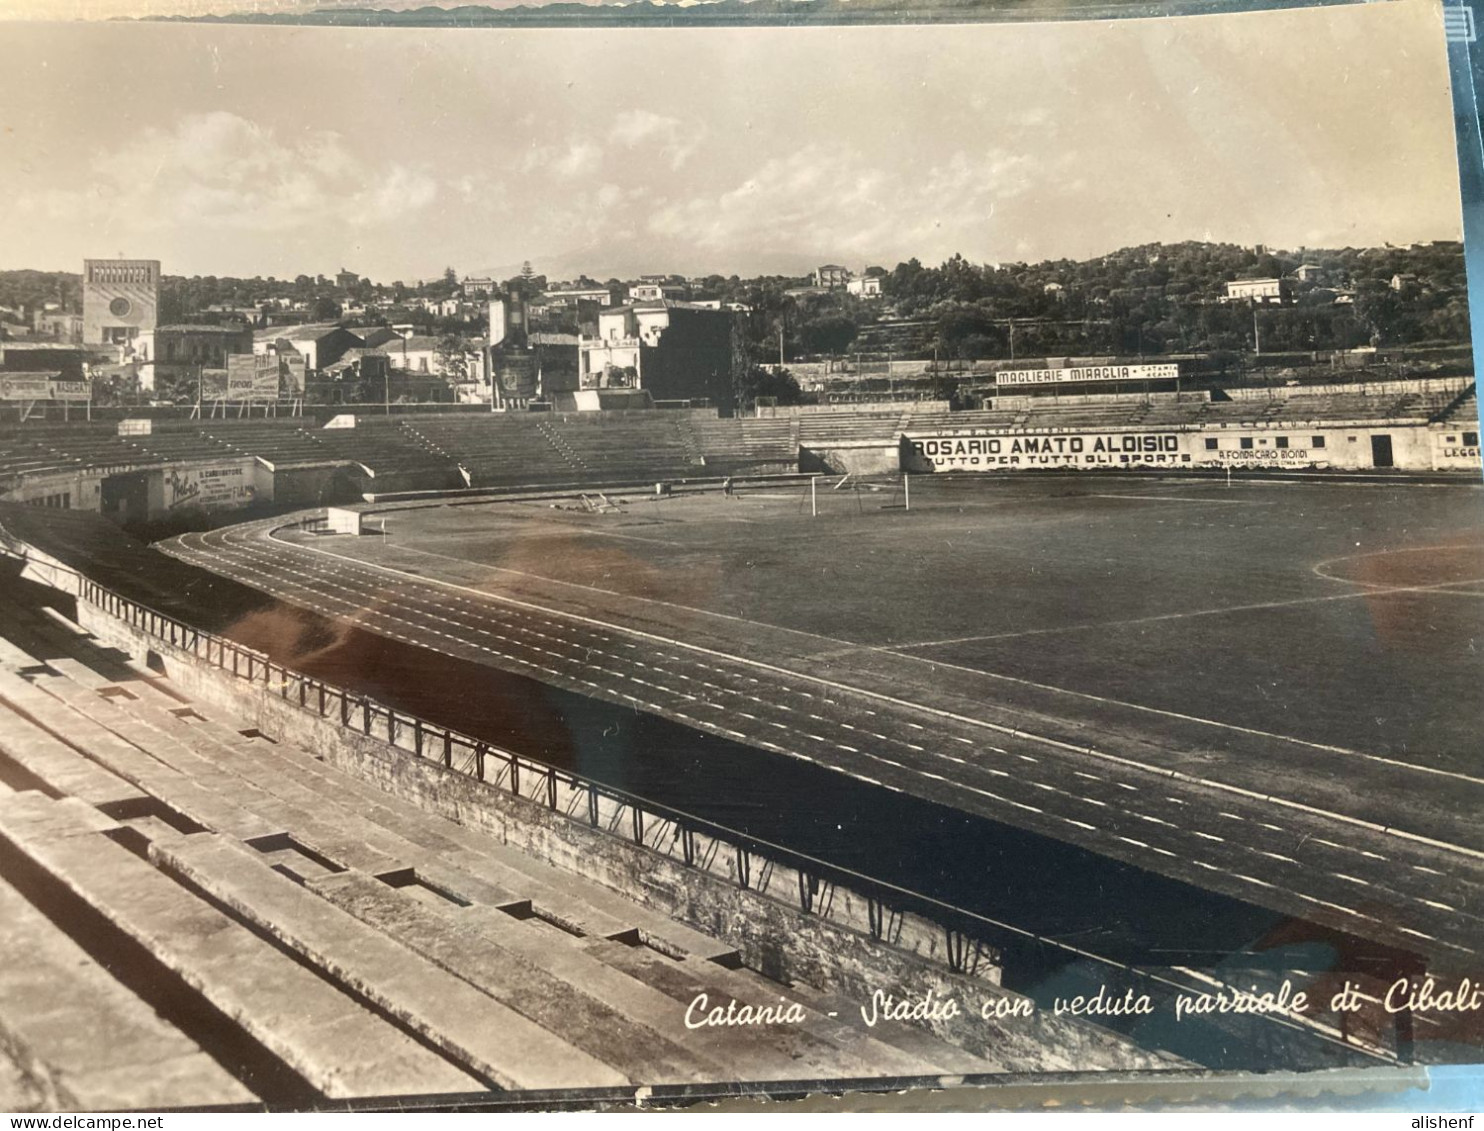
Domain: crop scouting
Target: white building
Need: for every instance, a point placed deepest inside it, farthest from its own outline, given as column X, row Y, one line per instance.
column 1258, row 290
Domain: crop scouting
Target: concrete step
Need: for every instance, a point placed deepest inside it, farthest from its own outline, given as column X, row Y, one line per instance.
column 565, row 956
column 245, row 773
column 330, row 1040
column 466, row 1023
column 233, row 776
column 585, row 905
column 839, row 1023
column 67, row 709
column 97, row 1046
column 69, row 647
column 259, row 783
column 812, row 1057
column 57, row 765
column 16, row 658
column 575, row 1012
column 911, row 1038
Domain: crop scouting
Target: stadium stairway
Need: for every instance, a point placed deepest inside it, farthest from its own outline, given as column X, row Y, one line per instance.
column 689, row 442
column 553, row 437
column 213, row 917
column 1462, row 410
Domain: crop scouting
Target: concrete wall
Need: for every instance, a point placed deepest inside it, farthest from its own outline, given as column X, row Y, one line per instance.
column 1414, row 448
column 856, row 459
column 83, row 489
column 314, row 486
column 1451, row 450
column 211, row 488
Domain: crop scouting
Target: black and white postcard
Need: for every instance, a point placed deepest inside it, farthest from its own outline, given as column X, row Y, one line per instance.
column 588, row 557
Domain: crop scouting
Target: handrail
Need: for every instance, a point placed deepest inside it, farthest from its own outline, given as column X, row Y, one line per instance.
column 537, row 781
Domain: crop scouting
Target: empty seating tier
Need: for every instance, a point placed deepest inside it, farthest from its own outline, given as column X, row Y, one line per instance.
column 278, row 930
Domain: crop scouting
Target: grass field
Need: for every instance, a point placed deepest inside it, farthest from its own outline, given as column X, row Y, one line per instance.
column 1334, row 613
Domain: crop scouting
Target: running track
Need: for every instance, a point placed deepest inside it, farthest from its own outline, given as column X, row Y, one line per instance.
column 1406, row 891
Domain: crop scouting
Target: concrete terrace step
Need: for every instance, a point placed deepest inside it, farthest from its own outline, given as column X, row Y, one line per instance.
column 466, row 1023
column 69, row 647
column 330, row 1040
column 236, row 778
column 70, row 710
column 574, row 1012
column 910, row 1038
column 58, row 766
column 588, row 906
column 566, row 957
column 95, row 1044
column 224, row 785
column 814, row 1057
column 364, row 833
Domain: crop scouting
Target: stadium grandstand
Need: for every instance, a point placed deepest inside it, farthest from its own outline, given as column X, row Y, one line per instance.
column 130, row 472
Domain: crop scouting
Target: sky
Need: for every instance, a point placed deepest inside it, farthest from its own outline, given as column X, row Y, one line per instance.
column 239, row 150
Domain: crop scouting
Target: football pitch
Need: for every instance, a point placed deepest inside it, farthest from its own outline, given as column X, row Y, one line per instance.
column 1333, row 613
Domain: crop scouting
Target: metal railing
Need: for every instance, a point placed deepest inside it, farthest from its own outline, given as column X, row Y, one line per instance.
column 822, row 889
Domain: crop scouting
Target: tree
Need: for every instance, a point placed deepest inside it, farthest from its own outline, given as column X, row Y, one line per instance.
column 831, row 333
column 325, row 309
column 452, row 358
column 763, row 381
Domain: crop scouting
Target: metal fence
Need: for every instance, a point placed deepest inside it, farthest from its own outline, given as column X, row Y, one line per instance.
column 750, row 861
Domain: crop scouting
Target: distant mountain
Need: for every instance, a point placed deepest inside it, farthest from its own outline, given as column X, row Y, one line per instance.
column 630, row 257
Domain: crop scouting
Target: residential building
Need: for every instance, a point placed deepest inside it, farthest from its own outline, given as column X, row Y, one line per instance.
column 181, row 351
column 421, row 354
column 1263, row 291
column 320, row 344
column 831, row 276
column 866, row 286
column 673, row 351
column 657, row 291
column 57, row 324
column 571, row 296
column 375, row 336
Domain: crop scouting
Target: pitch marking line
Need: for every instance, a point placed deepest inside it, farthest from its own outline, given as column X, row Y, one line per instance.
column 1373, row 590
column 1186, row 499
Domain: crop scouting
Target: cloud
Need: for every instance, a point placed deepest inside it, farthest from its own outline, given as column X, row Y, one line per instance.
column 830, row 199
column 577, row 159
column 669, row 137
column 219, row 171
